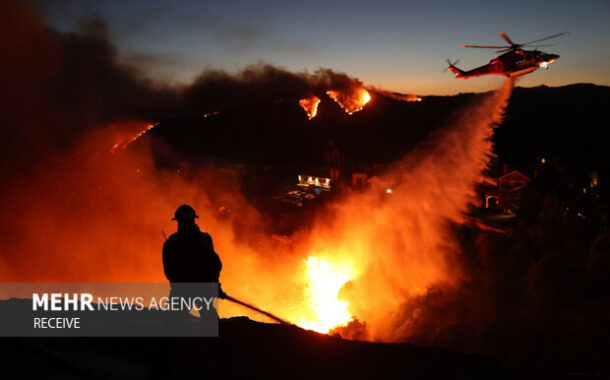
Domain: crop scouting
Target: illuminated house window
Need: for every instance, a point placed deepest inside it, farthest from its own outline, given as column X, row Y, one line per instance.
column 316, row 182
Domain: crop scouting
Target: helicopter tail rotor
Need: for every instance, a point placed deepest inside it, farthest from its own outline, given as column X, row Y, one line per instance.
column 458, row 73
column 451, row 65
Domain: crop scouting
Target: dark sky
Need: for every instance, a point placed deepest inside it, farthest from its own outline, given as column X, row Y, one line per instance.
column 398, row 45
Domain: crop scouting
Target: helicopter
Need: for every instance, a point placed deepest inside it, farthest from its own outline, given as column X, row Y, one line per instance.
column 514, row 62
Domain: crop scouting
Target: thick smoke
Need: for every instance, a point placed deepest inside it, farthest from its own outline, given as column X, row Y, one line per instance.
column 57, row 87
column 217, row 90
column 71, row 210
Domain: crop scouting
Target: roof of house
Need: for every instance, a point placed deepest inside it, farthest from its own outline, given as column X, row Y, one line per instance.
column 515, row 175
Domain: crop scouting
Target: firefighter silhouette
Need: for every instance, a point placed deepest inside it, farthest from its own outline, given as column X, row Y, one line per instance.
column 189, row 256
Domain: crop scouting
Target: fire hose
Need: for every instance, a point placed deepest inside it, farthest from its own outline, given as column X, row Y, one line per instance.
column 235, row 300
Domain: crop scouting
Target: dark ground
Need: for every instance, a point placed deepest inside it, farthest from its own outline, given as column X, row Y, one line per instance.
column 245, row 349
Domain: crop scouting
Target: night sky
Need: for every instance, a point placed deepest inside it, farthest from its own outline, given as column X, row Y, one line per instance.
column 401, row 46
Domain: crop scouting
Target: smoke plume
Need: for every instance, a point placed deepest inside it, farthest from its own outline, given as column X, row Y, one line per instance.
column 58, row 87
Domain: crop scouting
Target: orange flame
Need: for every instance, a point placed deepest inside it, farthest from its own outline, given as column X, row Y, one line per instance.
column 324, row 281
column 124, row 141
column 352, row 101
column 310, row 105
column 388, row 247
column 377, row 251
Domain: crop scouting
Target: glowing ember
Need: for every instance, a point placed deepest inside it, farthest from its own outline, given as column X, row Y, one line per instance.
column 124, row 142
column 205, row 115
column 352, row 101
column 310, row 105
column 325, row 280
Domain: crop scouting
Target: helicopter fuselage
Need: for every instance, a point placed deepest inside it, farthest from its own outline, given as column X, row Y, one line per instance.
column 510, row 64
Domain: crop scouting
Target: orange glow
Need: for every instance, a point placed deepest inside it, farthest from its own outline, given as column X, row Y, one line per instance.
column 365, row 256
column 351, row 101
column 206, row 115
column 310, row 105
column 594, row 180
column 323, row 281
column 381, row 251
column 126, row 138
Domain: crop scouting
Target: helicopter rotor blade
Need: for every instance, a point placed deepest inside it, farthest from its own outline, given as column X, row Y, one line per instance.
column 546, row 38
column 483, row 47
column 506, row 38
column 537, row 46
column 503, row 50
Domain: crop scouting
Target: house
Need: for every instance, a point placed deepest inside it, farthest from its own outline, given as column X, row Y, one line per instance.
column 503, row 192
column 512, row 181
column 316, row 183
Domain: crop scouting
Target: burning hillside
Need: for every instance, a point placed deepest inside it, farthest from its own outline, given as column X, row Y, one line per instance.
column 129, row 132
column 352, row 101
column 310, row 106
column 396, row 247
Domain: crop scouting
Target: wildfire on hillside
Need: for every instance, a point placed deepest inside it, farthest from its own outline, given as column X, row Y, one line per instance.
column 126, row 137
column 310, row 105
column 352, row 100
